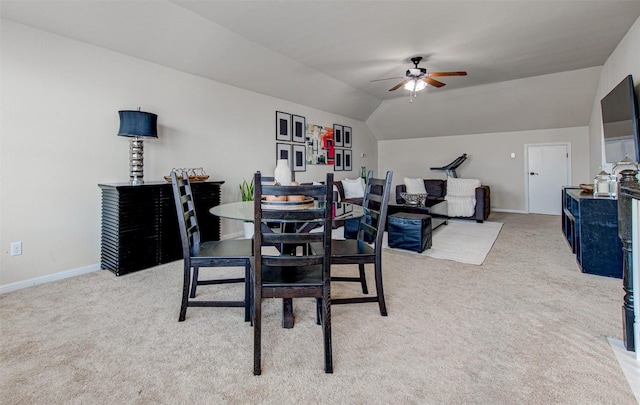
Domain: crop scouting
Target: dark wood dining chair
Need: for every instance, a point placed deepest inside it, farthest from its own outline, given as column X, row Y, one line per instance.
column 294, row 274
column 358, row 251
column 197, row 254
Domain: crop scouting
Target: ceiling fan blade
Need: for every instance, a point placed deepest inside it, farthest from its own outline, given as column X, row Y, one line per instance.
column 388, row 78
column 436, row 74
column 433, row 82
column 397, row 86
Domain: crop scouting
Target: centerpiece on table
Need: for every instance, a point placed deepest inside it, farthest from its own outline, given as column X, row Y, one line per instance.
column 286, row 202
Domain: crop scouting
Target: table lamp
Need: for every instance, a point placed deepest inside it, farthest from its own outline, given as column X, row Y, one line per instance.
column 137, row 125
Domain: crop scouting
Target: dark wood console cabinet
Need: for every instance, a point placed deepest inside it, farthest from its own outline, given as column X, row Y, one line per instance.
column 140, row 227
column 590, row 225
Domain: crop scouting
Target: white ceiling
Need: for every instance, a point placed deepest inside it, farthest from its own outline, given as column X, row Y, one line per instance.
column 325, row 54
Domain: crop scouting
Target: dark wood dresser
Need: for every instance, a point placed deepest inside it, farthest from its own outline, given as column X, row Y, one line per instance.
column 590, row 225
column 140, row 227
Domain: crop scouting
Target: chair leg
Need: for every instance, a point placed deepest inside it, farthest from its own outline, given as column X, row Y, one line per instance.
column 252, row 311
column 194, row 283
column 379, row 289
column 247, row 291
column 326, row 333
column 257, row 329
column 363, row 279
column 185, row 292
column 318, row 311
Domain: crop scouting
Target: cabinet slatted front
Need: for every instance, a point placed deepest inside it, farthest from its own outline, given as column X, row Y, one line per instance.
column 140, row 227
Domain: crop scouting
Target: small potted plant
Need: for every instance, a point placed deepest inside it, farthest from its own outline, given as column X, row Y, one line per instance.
column 246, row 193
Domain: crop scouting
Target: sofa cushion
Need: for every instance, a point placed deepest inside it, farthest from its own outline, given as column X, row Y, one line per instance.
column 336, row 193
column 462, row 187
column 415, row 186
column 461, row 196
column 353, row 188
column 435, row 187
column 437, row 190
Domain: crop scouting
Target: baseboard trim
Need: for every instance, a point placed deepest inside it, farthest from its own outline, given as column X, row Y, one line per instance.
column 49, row 278
column 508, row 211
column 235, row 235
column 628, row 363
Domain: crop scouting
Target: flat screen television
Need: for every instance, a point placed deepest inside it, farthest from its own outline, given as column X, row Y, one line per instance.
column 620, row 123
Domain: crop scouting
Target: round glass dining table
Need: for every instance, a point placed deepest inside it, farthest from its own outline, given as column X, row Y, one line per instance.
column 243, row 211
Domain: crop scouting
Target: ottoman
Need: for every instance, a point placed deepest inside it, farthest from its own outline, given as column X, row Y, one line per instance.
column 409, row 231
column 351, row 229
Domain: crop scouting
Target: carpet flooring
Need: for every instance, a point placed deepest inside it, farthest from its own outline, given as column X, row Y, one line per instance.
column 526, row 327
column 461, row 241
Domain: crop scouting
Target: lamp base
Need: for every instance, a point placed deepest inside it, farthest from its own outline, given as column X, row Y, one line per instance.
column 136, row 161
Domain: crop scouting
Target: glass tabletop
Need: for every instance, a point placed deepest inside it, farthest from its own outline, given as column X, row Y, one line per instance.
column 243, row 210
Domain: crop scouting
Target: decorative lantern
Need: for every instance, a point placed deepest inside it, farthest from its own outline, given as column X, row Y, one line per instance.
column 624, row 164
column 602, row 185
column 618, row 168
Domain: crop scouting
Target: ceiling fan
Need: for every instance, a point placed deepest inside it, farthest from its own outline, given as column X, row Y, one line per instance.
column 417, row 78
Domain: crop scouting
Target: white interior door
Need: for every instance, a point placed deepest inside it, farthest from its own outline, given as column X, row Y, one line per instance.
column 547, row 172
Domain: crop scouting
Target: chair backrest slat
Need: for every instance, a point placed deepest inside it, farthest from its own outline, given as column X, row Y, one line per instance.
column 186, row 212
column 293, row 216
column 375, row 202
column 293, row 237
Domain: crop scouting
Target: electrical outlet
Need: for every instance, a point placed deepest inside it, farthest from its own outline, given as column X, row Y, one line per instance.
column 16, row 248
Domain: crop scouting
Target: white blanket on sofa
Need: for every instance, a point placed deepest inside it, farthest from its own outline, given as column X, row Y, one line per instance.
column 461, row 196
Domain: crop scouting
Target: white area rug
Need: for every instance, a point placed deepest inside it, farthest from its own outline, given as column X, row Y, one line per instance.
column 461, row 241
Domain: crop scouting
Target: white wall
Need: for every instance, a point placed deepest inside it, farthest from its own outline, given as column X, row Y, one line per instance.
column 489, row 152
column 559, row 100
column 488, row 159
column 625, row 60
column 58, row 141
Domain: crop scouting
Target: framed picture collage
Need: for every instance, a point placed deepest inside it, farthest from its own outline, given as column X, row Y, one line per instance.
column 301, row 143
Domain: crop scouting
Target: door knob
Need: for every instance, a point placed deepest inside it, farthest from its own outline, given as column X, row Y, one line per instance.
column 532, row 173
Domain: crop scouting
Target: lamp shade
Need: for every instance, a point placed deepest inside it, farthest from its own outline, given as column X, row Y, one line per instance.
column 138, row 123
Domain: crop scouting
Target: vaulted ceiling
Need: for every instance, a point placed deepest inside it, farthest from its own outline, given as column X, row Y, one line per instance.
column 331, row 55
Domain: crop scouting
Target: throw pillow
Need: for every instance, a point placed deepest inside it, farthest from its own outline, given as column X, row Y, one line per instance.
column 336, row 192
column 415, row 186
column 353, row 188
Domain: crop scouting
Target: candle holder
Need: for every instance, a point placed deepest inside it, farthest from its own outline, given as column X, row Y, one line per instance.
column 602, row 185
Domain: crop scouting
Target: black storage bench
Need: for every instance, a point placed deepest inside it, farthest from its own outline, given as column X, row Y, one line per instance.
column 409, row 231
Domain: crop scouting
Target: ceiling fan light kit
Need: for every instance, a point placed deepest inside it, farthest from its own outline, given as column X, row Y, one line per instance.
column 416, row 79
column 414, row 86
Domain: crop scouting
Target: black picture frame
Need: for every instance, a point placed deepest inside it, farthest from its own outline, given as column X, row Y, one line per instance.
column 348, row 160
column 283, row 151
column 299, row 128
column 299, row 157
column 338, row 160
column 283, row 126
column 346, row 134
column 337, row 135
